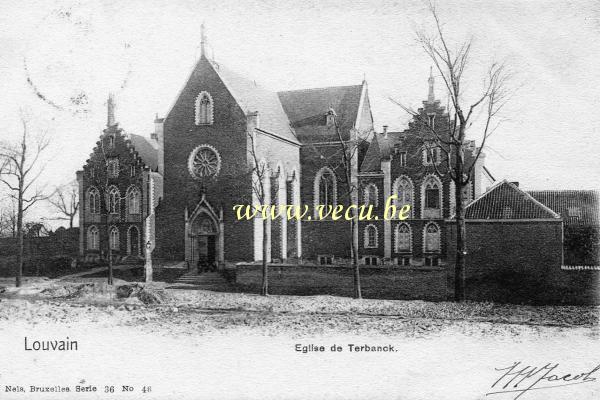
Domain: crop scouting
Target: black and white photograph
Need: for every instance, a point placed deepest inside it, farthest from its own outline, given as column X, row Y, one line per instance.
column 259, row 199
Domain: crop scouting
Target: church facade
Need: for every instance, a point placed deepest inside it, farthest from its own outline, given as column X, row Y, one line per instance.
column 220, row 132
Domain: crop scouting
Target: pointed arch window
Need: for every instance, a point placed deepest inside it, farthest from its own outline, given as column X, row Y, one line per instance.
column 113, row 200
column 431, row 240
column 204, row 109
column 403, row 238
column 325, row 190
column 371, row 237
column 371, row 196
column 133, row 241
column 403, row 189
column 133, row 200
column 431, row 197
column 93, row 238
column 94, row 201
column 114, row 238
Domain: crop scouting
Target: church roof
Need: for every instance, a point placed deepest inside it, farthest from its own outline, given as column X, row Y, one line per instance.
column 576, row 207
column 372, row 160
column 307, row 106
column 288, row 114
column 381, row 149
column 253, row 97
column 146, row 148
column 506, row 201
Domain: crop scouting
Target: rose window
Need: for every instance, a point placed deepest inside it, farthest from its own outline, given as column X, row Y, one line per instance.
column 204, row 162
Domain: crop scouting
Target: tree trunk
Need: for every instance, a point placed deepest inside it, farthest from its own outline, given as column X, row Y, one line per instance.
column 461, row 252
column 71, row 217
column 461, row 228
column 355, row 268
column 20, row 251
column 265, row 269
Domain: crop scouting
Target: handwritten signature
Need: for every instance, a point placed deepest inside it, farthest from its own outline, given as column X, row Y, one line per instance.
column 520, row 379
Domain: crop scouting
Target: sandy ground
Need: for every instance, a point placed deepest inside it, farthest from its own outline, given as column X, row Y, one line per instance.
column 203, row 345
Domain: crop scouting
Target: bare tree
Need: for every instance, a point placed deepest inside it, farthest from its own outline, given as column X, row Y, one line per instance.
column 259, row 175
column 8, row 219
column 342, row 162
column 451, row 63
column 65, row 201
column 19, row 172
column 33, row 229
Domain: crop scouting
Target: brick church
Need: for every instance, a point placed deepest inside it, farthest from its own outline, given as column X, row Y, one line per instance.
column 200, row 160
column 207, row 143
column 220, row 123
column 227, row 141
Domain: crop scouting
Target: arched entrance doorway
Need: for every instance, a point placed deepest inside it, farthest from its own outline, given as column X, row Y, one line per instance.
column 204, row 235
column 204, row 241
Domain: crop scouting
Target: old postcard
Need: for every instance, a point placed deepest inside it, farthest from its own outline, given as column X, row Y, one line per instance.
column 299, row 199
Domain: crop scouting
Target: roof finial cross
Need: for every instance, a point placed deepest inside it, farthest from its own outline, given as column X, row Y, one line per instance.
column 202, row 40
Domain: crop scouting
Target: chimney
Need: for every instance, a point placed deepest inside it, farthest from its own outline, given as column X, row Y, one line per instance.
column 252, row 121
column 331, row 115
column 158, row 135
column 385, row 131
column 515, row 183
column 479, row 179
column 158, row 126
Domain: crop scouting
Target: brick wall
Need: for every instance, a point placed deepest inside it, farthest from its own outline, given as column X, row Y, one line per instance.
column 582, row 245
column 326, row 237
column 520, row 262
column 322, row 237
column 376, row 282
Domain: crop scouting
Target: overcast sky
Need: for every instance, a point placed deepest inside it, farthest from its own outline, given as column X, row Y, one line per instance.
column 144, row 50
